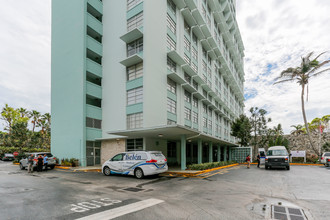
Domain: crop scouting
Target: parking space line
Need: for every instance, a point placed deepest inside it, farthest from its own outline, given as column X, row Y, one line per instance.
column 123, row 210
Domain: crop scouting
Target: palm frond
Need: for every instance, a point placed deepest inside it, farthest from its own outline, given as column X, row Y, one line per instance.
column 309, row 55
column 285, row 80
column 318, row 73
column 320, row 55
column 319, row 66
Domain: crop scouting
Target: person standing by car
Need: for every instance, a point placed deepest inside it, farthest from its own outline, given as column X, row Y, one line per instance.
column 46, row 161
column 248, row 160
column 258, row 159
column 30, row 162
column 40, row 163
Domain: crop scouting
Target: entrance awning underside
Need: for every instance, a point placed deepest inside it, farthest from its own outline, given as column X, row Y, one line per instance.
column 170, row 133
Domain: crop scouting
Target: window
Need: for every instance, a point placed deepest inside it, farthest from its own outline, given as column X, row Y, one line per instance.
column 171, row 106
column 204, row 122
column 134, row 144
column 171, row 24
column 171, row 86
column 187, row 96
column 194, row 39
column 171, row 6
column 187, row 113
column 171, row 65
column 195, row 117
column 204, row 93
column 132, row 3
column 186, row 27
column 204, row 108
column 170, row 122
column 204, row 66
column 187, row 77
column 186, row 43
column 135, row 96
column 210, row 112
column 135, row 47
column 171, row 45
column 93, row 123
column 195, row 102
column 209, row 124
column 135, row 22
column 186, row 58
column 135, row 71
column 194, row 53
column 203, row 11
column 209, row 73
column 134, row 120
column 195, row 84
column 194, row 67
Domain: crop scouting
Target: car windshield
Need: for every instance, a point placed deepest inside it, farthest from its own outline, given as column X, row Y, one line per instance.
column 327, row 154
column 277, row 153
column 9, row 155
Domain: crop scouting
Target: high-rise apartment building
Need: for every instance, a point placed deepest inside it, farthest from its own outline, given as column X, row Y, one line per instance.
column 145, row 75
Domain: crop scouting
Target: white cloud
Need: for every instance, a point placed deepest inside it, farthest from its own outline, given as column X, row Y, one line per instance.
column 279, row 32
column 25, row 54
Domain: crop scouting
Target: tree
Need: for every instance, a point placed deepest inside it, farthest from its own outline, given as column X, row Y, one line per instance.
column 35, row 115
column 19, row 136
column 241, row 128
column 298, row 130
column 308, row 68
column 276, row 138
column 258, row 122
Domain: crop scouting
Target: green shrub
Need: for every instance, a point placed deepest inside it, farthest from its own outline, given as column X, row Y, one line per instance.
column 205, row 166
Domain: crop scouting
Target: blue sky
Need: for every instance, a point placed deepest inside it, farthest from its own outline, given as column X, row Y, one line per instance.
column 276, row 33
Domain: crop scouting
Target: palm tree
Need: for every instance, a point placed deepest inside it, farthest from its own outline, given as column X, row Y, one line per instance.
column 298, row 129
column 35, row 115
column 301, row 74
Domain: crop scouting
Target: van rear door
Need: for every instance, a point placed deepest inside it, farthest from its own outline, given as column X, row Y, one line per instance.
column 159, row 157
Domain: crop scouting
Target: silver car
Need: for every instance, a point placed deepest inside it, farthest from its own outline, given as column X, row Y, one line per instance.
column 324, row 158
column 23, row 163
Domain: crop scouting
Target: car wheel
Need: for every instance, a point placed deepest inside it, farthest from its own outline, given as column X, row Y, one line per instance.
column 138, row 173
column 288, row 167
column 21, row 166
column 52, row 167
column 266, row 167
column 106, row 171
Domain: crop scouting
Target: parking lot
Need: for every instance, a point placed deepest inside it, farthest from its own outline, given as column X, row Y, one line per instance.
column 232, row 193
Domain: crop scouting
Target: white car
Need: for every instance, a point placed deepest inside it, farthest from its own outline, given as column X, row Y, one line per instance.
column 324, row 158
column 137, row 163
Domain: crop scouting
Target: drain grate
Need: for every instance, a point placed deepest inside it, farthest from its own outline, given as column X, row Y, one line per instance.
column 133, row 189
column 286, row 213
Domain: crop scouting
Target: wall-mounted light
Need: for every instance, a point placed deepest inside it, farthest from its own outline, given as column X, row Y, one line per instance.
column 160, row 135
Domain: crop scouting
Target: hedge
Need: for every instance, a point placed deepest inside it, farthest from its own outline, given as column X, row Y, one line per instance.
column 205, row 166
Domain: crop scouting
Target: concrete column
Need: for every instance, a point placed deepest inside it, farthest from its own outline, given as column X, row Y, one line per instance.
column 210, row 152
column 199, row 152
column 230, row 149
column 183, row 152
column 225, row 154
column 218, row 154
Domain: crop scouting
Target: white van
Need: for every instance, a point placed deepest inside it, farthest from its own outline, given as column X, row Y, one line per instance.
column 137, row 163
column 277, row 156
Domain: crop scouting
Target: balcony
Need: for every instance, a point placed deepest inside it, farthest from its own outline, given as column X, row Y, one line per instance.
column 97, row 5
column 94, row 90
column 94, row 46
column 93, row 67
column 95, row 24
column 134, row 59
column 93, row 112
column 132, row 35
column 93, row 133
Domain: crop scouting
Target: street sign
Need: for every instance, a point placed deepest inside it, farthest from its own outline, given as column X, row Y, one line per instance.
column 15, row 154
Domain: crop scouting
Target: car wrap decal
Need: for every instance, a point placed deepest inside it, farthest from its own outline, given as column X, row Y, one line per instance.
column 128, row 170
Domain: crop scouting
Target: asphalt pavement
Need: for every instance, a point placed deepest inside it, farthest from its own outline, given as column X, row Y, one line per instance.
column 231, row 193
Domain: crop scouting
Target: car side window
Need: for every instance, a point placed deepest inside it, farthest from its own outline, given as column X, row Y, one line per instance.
column 118, row 157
